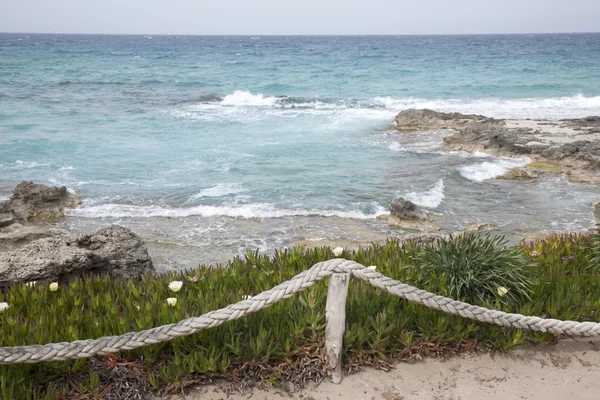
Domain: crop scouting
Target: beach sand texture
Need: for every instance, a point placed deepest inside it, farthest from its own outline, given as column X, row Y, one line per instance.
column 569, row 369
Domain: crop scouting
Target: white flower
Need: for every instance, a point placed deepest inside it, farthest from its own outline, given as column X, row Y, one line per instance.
column 54, row 286
column 30, row 284
column 502, row 291
column 338, row 251
column 172, row 301
column 372, row 267
column 3, row 306
column 175, row 286
column 246, row 297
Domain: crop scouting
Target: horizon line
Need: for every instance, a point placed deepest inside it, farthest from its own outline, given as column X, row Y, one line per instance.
column 299, row 35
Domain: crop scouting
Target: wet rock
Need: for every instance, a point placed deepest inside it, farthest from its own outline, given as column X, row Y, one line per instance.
column 114, row 250
column 34, row 202
column 407, row 215
column 428, row 120
column 573, row 145
column 520, row 174
column 479, row 227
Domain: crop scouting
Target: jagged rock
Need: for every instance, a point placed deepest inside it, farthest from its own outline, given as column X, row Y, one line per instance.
column 117, row 251
column 479, row 226
column 573, row 145
column 17, row 235
column 520, row 174
column 405, row 209
column 428, row 120
column 406, row 214
column 7, row 219
column 114, row 250
column 32, row 201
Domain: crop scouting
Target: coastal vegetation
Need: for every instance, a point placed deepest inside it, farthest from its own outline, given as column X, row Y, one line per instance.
column 553, row 278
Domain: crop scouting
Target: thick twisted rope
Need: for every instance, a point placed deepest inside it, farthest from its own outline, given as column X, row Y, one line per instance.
column 132, row 340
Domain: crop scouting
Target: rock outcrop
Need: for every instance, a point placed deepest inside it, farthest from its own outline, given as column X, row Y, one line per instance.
column 115, row 250
column 407, row 215
column 34, row 202
column 571, row 145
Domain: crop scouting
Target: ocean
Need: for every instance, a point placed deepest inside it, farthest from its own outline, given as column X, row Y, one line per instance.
column 209, row 147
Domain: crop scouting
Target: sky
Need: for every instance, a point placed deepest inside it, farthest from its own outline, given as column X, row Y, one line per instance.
column 299, row 17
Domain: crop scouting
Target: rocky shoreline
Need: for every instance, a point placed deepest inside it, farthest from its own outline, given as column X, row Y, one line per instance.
column 567, row 146
column 32, row 250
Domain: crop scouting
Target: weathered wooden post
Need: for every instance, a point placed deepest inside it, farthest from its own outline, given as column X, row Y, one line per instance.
column 335, row 315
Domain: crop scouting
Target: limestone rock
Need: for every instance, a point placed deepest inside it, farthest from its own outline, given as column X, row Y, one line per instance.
column 407, row 215
column 114, row 250
column 428, row 120
column 479, row 227
column 117, row 251
column 16, row 235
column 32, row 201
column 520, row 174
column 596, row 205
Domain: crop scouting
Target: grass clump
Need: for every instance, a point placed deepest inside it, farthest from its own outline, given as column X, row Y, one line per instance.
column 476, row 269
column 284, row 341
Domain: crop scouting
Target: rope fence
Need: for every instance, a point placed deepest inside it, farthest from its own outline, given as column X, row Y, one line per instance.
column 335, row 315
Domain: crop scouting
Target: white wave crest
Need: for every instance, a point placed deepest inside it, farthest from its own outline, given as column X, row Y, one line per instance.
column 395, row 146
column 431, row 198
column 257, row 210
column 221, row 189
column 552, row 107
column 491, row 169
column 245, row 98
column 258, row 106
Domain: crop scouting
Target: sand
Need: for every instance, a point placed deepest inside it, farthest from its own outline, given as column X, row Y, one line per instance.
column 567, row 370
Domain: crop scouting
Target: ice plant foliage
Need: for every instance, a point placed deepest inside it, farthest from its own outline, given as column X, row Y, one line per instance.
column 288, row 335
column 176, row 286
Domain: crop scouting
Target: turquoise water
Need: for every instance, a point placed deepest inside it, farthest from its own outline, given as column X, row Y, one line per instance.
column 216, row 145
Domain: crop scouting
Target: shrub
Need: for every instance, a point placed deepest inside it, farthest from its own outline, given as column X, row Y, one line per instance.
column 476, row 269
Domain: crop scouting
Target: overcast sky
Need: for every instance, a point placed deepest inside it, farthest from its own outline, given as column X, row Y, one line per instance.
column 293, row 17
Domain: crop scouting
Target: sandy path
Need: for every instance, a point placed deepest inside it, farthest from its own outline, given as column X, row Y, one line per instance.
column 568, row 370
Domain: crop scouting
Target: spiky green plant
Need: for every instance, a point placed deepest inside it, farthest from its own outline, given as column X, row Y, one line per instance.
column 478, row 269
column 595, row 247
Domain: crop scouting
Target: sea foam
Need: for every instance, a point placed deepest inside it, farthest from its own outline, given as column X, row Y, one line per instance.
column 257, row 210
column 245, row 98
column 431, row 198
column 221, row 189
column 491, row 169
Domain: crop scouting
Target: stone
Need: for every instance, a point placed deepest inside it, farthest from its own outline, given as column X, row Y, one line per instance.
column 405, row 209
column 479, row 227
column 407, row 215
column 17, row 235
column 520, row 174
column 571, row 145
column 7, row 219
column 115, row 250
column 32, row 201
column 596, row 205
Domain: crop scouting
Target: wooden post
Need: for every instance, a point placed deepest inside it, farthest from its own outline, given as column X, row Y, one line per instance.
column 335, row 315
